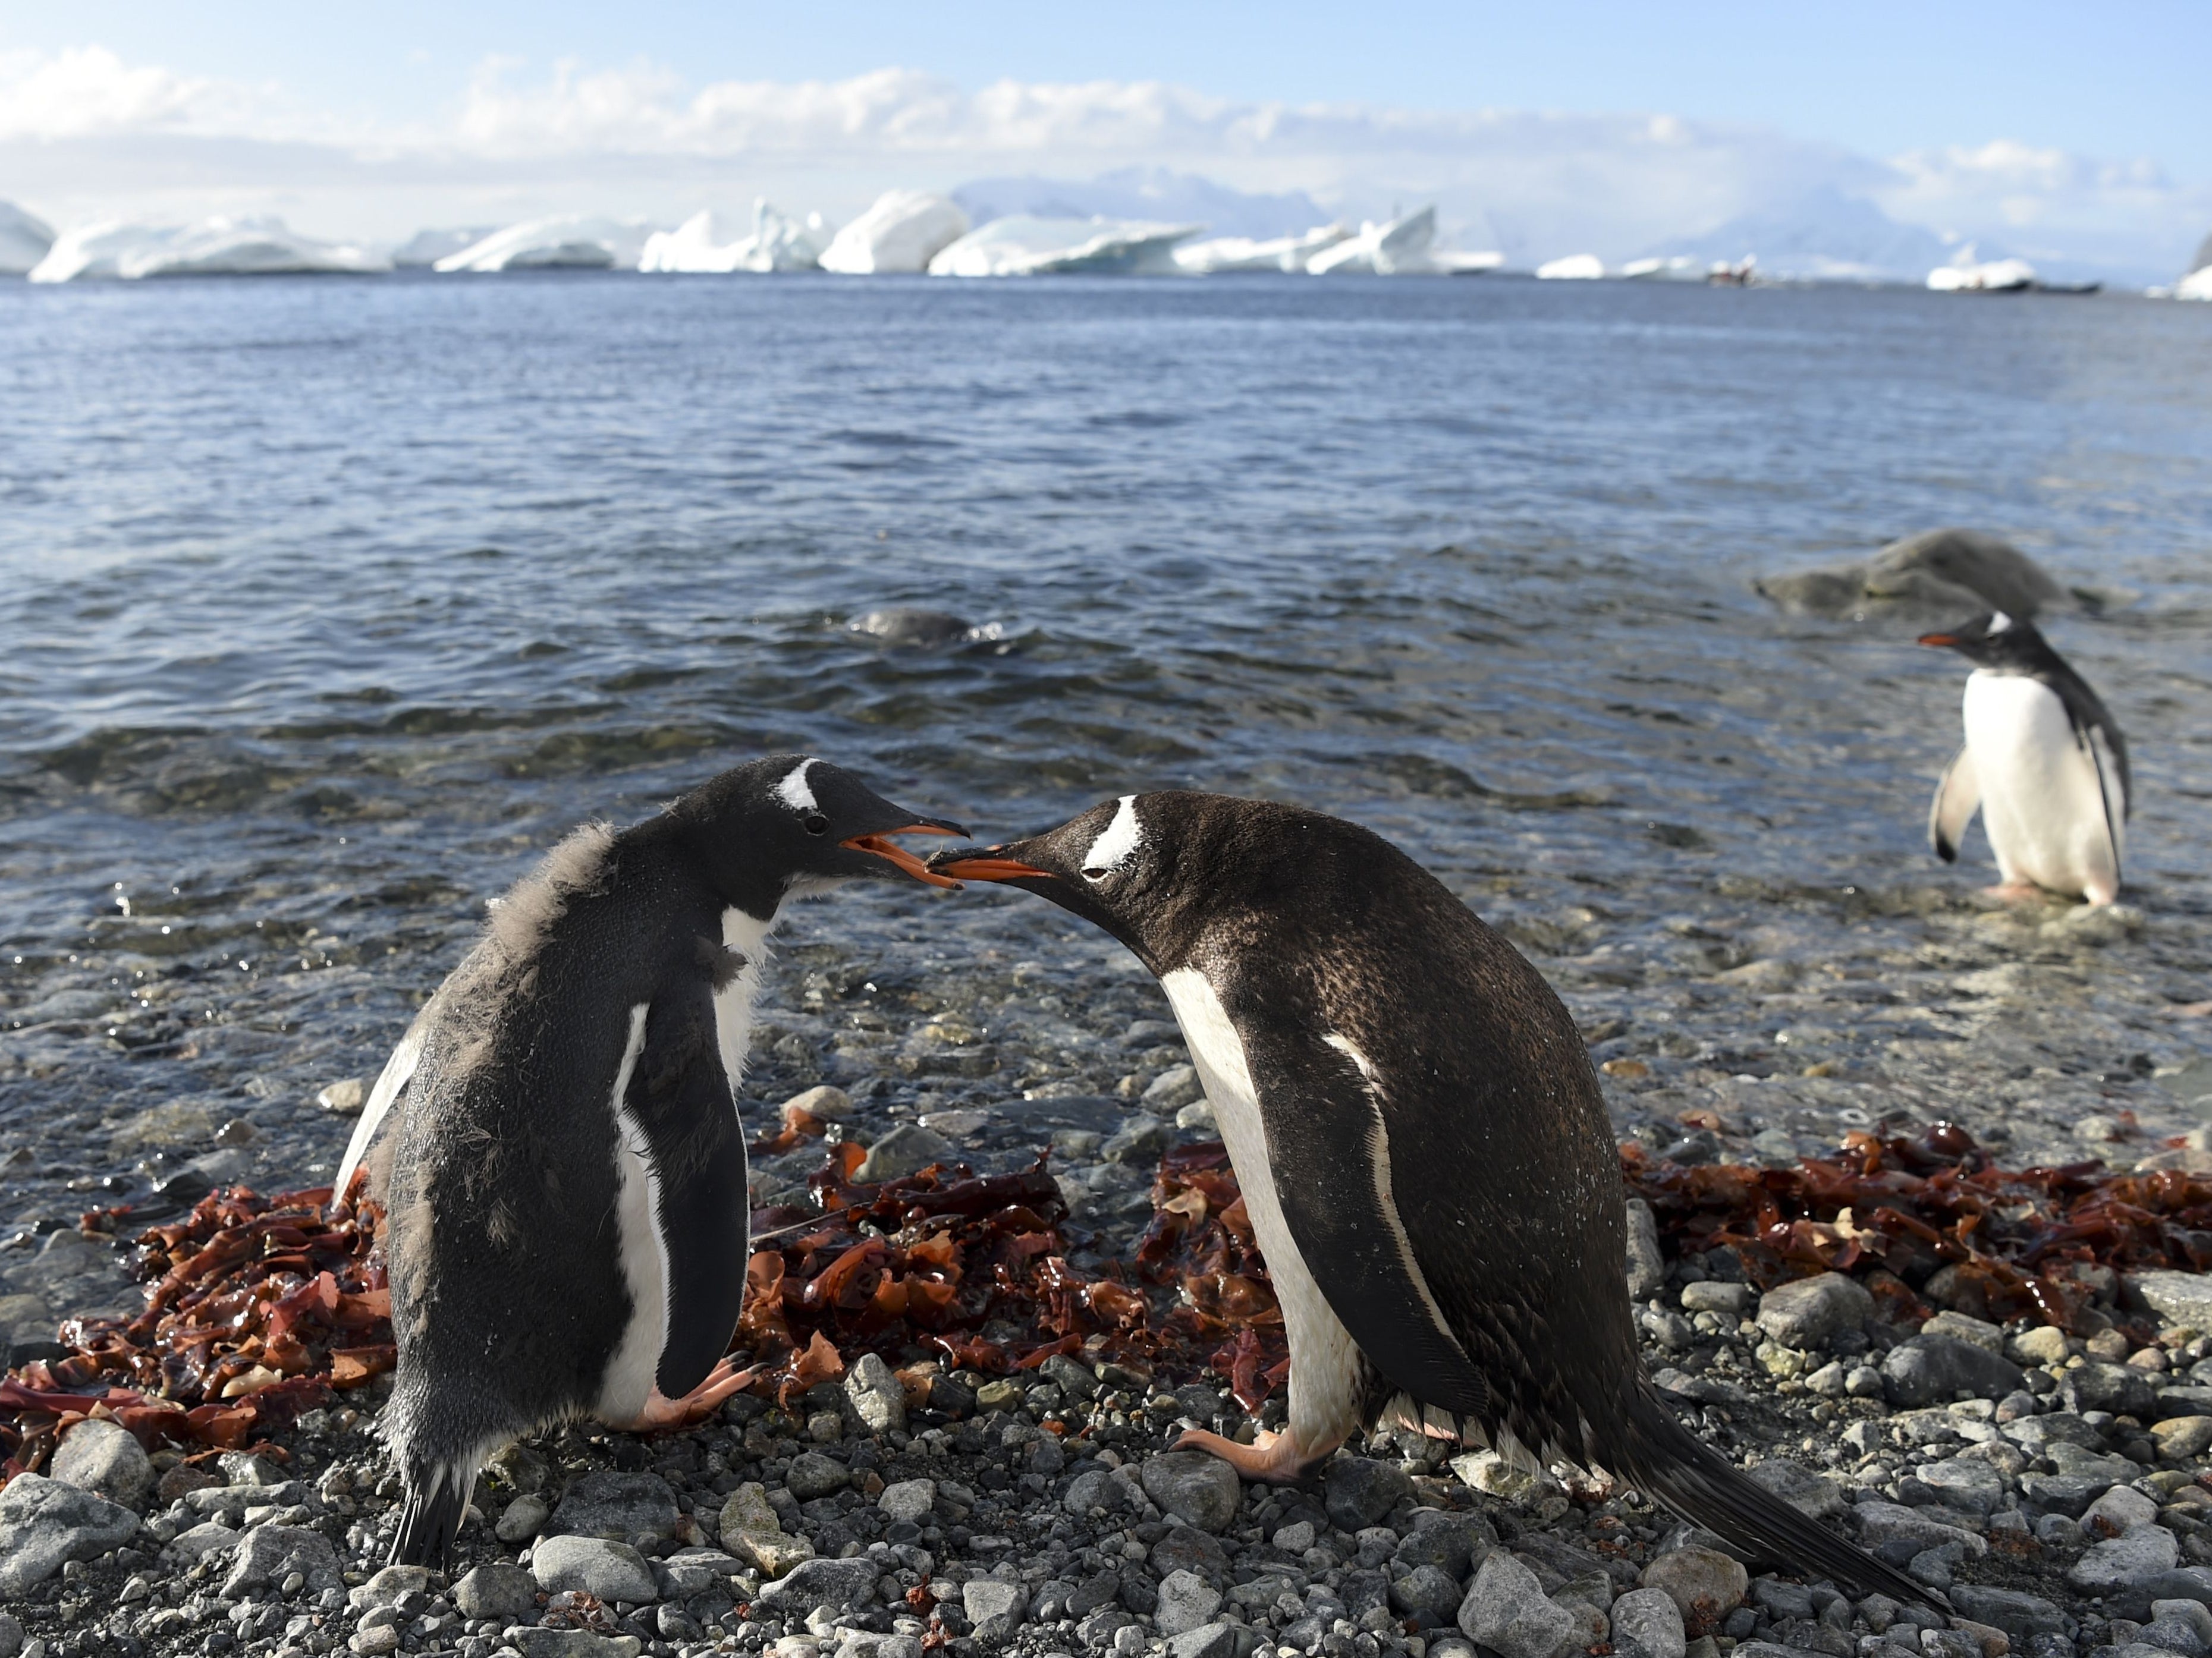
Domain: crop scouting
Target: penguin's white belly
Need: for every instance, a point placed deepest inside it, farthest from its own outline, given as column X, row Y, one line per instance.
column 629, row 1381
column 2043, row 803
column 1325, row 1362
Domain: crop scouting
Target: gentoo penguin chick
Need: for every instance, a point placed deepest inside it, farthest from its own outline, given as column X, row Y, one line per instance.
column 566, row 1182
column 2044, row 762
column 1420, row 1143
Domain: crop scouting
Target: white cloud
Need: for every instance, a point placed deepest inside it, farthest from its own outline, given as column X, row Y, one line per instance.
column 642, row 139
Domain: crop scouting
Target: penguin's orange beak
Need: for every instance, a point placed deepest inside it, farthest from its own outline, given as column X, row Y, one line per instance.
column 985, row 868
column 899, row 858
column 1939, row 639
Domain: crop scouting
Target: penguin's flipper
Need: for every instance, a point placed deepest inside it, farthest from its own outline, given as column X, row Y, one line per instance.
column 2112, row 768
column 391, row 1082
column 679, row 1099
column 1329, row 1147
column 1958, row 797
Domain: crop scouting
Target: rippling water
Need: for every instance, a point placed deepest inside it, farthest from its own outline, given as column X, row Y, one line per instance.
column 329, row 604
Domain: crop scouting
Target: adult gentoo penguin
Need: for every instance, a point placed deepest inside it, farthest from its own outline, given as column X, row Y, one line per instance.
column 2044, row 762
column 1420, row 1143
column 566, row 1174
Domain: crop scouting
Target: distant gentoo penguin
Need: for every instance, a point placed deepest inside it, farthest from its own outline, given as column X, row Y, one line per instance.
column 2044, row 762
column 566, row 1182
column 1420, row 1143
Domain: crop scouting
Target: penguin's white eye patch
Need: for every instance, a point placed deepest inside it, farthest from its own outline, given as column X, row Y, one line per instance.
column 795, row 792
column 1113, row 848
column 2000, row 622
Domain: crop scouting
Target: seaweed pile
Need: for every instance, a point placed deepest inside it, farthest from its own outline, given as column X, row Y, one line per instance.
column 257, row 1310
column 1930, row 1214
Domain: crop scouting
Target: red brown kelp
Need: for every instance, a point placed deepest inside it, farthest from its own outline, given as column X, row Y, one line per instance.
column 1899, row 1211
column 257, row 1309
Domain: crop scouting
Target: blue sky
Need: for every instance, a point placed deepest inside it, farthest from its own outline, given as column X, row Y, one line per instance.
column 2036, row 120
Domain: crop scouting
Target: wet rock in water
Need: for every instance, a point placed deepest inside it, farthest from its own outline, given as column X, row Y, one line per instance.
column 343, row 1098
column 619, row 1506
column 906, row 625
column 822, row 1101
column 270, row 1555
column 1362, row 1491
column 1173, row 1089
column 1704, row 1583
column 1140, row 1140
column 496, row 1590
column 1650, row 1619
column 1507, row 1610
column 906, row 1150
column 25, row 1318
column 878, row 1398
column 833, row 1584
column 813, row 1474
column 1647, row 1264
column 994, row 1607
column 1811, row 1494
column 1950, row 572
column 1193, row 1486
column 1936, row 1370
column 1809, row 1312
column 612, row 1571
column 44, row 1524
column 106, row 1460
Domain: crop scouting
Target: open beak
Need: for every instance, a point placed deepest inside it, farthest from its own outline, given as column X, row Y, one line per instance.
column 899, row 858
column 1939, row 639
column 985, row 866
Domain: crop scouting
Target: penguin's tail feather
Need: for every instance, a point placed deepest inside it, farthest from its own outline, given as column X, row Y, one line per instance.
column 1665, row 1460
column 437, row 1499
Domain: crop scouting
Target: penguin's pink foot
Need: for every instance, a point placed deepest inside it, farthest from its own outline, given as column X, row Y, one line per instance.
column 2097, row 893
column 2013, row 892
column 1272, row 1457
column 662, row 1413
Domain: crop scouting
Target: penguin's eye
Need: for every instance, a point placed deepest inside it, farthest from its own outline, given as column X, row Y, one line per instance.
column 815, row 824
column 1096, row 872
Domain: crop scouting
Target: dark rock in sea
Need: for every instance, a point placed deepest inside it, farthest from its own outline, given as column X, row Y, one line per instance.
column 902, row 625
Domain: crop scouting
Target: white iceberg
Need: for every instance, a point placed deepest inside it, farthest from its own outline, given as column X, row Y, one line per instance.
column 1455, row 262
column 1395, row 247
column 1020, row 246
column 704, row 244
column 24, row 239
column 426, row 247
column 566, row 241
column 1680, row 268
column 1218, row 255
column 2196, row 285
column 1574, row 268
column 1965, row 275
column 899, row 234
column 119, row 249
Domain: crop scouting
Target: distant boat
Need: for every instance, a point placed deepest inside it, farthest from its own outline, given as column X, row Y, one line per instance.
column 1967, row 275
column 1741, row 274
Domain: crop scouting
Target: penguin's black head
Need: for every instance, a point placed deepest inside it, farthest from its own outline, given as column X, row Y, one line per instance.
column 1139, row 867
column 790, row 826
column 1997, row 640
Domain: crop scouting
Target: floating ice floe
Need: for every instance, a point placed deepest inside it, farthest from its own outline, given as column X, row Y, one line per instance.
column 1682, row 267
column 1022, row 246
column 566, row 241
column 121, row 249
column 1219, row 255
column 1575, row 268
column 1456, row 262
column 1965, row 275
column 24, row 239
column 1393, row 247
column 899, row 234
column 2196, row 285
column 426, row 247
column 703, row 244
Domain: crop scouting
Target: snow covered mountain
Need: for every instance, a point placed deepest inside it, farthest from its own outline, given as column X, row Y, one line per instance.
column 1821, row 236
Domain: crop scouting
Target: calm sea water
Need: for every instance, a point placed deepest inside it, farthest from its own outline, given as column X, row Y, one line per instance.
column 327, row 605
